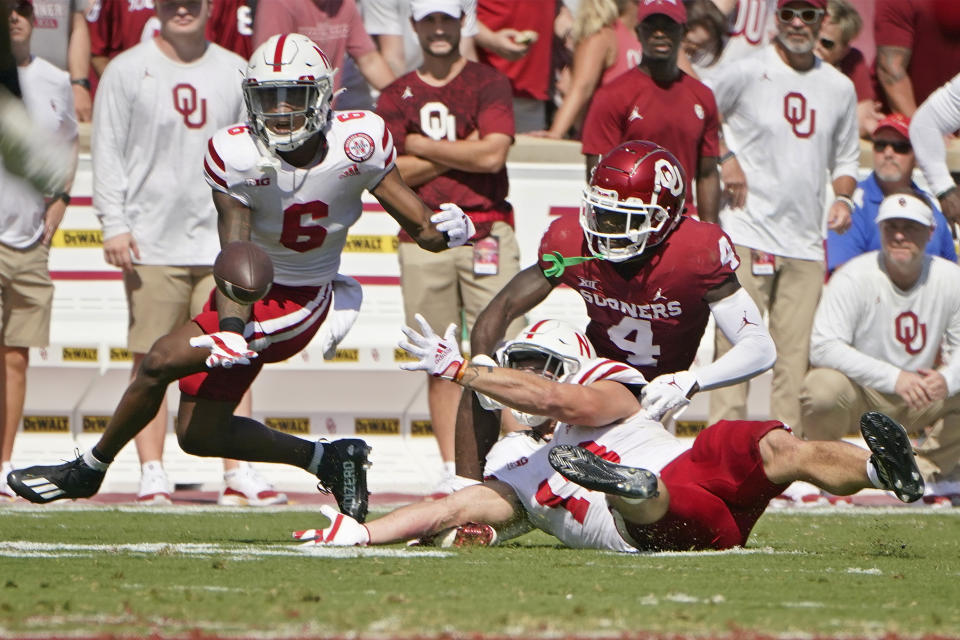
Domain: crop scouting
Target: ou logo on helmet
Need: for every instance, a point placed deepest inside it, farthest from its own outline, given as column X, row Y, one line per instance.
column 667, row 176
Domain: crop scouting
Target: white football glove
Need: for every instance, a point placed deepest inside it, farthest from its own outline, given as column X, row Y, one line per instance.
column 347, row 298
column 452, row 221
column 226, row 349
column 440, row 357
column 666, row 393
column 343, row 531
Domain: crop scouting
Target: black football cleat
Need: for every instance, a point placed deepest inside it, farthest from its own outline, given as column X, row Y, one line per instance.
column 892, row 455
column 343, row 472
column 590, row 471
column 67, row 481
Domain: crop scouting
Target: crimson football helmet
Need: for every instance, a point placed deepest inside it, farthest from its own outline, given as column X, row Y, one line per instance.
column 554, row 348
column 287, row 89
column 633, row 201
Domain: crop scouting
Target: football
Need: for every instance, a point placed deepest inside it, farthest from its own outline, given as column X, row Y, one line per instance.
column 243, row 272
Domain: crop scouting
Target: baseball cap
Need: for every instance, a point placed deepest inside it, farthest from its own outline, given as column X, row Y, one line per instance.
column 896, row 121
column 673, row 9
column 420, row 9
column 903, row 205
column 819, row 4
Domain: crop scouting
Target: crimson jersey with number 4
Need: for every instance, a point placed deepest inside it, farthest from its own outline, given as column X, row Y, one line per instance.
column 300, row 216
column 650, row 313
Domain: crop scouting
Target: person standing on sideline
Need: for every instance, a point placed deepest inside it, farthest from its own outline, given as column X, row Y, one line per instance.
column 28, row 220
column 792, row 120
column 452, row 124
column 157, row 105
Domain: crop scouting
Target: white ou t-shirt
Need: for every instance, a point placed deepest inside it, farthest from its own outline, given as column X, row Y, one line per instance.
column 48, row 97
column 392, row 18
column 789, row 129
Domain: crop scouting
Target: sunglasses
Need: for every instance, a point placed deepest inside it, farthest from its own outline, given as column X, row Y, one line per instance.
column 827, row 44
column 808, row 16
column 899, row 146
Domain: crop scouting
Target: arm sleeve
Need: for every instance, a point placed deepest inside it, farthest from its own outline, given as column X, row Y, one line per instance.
column 936, row 117
column 832, row 337
column 753, row 349
column 847, row 155
column 111, row 124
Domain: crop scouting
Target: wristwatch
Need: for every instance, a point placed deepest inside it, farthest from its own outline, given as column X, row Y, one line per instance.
column 61, row 195
column 83, row 82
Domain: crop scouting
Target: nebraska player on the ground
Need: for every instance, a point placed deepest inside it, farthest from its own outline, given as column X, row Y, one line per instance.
column 290, row 180
column 650, row 278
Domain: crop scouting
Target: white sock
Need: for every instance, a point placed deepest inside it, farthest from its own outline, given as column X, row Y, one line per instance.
column 314, row 465
column 91, row 461
column 873, row 476
column 449, row 468
column 152, row 466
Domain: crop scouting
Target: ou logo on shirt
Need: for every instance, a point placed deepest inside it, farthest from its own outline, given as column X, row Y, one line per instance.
column 437, row 122
column 910, row 332
column 186, row 103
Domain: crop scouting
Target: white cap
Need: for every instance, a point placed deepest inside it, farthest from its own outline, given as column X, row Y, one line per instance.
column 902, row 205
column 420, row 9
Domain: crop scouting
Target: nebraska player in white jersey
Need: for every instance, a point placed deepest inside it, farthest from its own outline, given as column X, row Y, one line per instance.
column 612, row 478
column 290, row 180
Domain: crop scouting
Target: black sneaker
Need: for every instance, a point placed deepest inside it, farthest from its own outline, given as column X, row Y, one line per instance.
column 590, row 471
column 70, row 480
column 343, row 472
column 892, row 455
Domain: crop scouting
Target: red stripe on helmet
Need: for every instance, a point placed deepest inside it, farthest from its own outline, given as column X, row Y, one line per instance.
column 321, row 54
column 278, row 53
column 584, row 345
column 533, row 330
column 217, row 160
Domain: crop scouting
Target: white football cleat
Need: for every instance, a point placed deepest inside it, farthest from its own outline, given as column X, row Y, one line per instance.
column 243, row 486
column 343, row 531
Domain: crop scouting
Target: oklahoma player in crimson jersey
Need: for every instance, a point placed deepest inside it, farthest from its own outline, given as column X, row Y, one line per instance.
column 290, row 180
column 650, row 278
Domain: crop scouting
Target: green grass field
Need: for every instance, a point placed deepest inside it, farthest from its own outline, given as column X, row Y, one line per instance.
column 216, row 572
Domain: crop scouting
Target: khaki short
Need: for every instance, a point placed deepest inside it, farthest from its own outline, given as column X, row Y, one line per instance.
column 162, row 298
column 26, row 296
column 439, row 285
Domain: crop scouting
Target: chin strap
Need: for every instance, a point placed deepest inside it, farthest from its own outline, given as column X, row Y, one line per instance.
column 560, row 263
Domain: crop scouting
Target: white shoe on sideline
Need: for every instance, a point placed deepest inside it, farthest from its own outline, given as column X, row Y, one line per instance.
column 154, row 485
column 243, row 486
column 6, row 493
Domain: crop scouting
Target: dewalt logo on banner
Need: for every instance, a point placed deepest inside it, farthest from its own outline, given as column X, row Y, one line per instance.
column 371, row 244
column 118, row 354
column 95, row 424
column 346, row 355
column 79, row 354
column 46, row 424
column 294, row 425
column 421, row 428
column 376, row 426
column 77, row 239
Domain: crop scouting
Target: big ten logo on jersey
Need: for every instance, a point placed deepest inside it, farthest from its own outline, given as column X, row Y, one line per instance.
column 437, row 122
column 910, row 332
column 752, row 19
column 802, row 119
column 187, row 104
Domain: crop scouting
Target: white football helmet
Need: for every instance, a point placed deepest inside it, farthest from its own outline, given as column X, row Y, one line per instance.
column 557, row 350
column 287, row 89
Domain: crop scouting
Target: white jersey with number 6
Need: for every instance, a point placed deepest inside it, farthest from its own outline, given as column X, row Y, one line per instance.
column 300, row 216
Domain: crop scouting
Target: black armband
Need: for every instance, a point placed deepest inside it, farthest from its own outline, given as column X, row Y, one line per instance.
column 81, row 82
column 232, row 324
